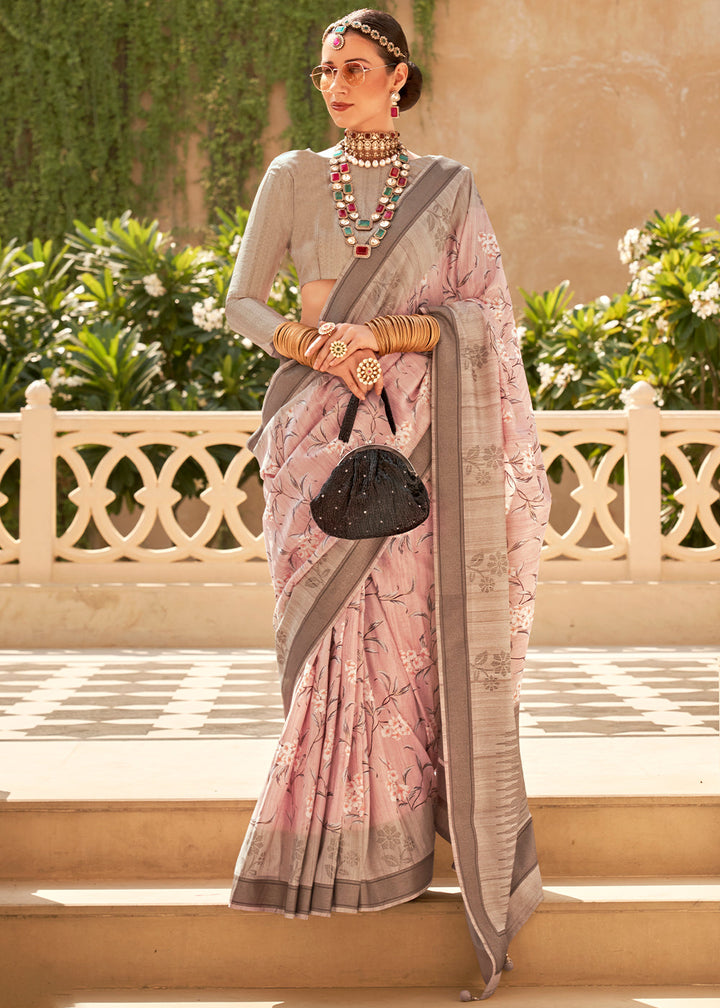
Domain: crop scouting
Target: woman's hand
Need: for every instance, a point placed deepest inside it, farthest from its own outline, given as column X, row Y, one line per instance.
column 361, row 344
column 346, row 370
column 355, row 337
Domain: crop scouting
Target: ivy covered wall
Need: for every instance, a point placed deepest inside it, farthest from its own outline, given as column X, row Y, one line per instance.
column 100, row 97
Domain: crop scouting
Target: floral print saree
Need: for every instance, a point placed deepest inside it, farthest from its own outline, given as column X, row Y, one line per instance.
column 401, row 658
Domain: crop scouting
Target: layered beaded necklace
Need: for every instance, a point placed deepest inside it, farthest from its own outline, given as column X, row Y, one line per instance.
column 367, row 150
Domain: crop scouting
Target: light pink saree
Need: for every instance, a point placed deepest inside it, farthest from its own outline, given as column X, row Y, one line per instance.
column 401, row 658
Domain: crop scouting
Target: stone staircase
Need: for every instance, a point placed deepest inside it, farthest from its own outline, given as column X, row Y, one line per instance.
column 129, row 898
column 116, row 851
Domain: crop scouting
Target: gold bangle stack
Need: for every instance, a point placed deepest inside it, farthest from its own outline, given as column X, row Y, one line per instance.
column 405, row 333
column 292, row 339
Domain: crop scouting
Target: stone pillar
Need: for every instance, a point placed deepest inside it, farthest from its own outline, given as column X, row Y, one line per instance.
column 643, row 484
column 37, row 485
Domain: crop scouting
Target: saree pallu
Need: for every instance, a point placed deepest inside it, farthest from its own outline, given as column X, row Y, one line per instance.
column 401, row 658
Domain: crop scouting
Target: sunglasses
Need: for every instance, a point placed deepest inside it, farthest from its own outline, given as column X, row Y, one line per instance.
column 351, row 72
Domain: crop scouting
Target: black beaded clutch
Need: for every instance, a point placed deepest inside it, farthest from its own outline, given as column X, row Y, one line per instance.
column 372, row 492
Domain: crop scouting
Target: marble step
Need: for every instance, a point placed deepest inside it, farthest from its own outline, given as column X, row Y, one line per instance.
column 57, row 937
column 636, row 996
column 588, row 835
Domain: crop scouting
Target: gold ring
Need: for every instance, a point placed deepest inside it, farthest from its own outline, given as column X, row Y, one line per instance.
column 327, row 328
column 338, row 349
column 368, row 371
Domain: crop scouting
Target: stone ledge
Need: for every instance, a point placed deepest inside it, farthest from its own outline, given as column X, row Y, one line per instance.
column 627, row 613
column 130, row 616
column 569, row 614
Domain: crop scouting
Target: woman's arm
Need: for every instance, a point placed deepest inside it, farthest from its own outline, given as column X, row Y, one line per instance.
column 263, row 248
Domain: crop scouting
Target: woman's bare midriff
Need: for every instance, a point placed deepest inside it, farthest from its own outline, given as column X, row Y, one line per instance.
column 314, row 296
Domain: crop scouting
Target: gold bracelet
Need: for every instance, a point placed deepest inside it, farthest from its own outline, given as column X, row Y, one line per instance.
column 291, row 339
column 405, row 333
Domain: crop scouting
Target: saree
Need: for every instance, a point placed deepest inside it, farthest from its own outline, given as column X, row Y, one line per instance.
column 401, row 658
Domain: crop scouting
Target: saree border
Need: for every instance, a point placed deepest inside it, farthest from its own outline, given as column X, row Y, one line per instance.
column 493, row 845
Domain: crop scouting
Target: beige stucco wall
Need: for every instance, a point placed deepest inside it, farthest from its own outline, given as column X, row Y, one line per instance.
column 578, row 119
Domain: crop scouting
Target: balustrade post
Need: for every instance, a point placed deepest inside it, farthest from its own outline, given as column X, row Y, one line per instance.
column 37, row 485
column 643, row 484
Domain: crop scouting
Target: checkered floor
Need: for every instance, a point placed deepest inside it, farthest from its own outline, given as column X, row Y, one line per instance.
column 221, row 694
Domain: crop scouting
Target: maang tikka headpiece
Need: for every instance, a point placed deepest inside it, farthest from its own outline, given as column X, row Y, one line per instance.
column 335, row 35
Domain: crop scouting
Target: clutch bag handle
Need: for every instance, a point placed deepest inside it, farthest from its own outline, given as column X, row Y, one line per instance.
column 351, row 413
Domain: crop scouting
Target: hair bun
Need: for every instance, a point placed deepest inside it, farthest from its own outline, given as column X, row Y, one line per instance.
column 412, row 89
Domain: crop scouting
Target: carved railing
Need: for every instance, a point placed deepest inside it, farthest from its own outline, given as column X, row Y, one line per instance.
column 602, row 528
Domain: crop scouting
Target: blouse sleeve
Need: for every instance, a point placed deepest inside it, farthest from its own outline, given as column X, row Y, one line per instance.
column 263, row 248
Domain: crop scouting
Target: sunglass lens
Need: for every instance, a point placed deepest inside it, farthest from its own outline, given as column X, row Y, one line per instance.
column 353, row 73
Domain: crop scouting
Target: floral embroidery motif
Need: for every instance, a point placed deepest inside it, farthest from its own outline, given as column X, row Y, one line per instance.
column 491, row 670
column 487, row 570
column 489, row 245
column 481, row 463
column 476, row 358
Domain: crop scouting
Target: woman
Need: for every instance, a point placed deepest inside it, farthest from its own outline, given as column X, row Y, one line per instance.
column 400, row 657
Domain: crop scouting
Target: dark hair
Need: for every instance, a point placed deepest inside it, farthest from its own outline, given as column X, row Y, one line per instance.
column 387, row 25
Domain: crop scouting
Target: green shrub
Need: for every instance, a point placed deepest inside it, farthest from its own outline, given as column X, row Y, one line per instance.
column 119, row 319
column 664, row 328
column 117, row 300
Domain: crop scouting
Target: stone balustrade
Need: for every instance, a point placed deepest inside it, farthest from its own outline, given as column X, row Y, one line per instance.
column 602, row 528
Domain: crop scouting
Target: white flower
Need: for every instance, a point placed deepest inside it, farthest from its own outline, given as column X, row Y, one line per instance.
column 520, row 334
column 248, row 344
column 662, row 324
column 153, row 285
column 566, row 374
column 547, row 376
column 706, row 302
column 625, row 397
column 633, row 245
column 206, row 315
column 217, row 377
column 56, row 378
column 235, row 246
column 59, row 377
column 598, row 348
column 642, row 283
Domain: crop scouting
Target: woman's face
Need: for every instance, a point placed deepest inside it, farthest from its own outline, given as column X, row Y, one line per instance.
column 365, row 106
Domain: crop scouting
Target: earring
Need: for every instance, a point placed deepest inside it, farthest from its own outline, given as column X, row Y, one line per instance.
column 394, row 111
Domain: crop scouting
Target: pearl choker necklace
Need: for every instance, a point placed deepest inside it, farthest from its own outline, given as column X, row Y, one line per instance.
column 370, row 150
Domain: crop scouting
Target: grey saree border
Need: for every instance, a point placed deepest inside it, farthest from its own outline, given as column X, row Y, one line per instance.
column 315, row 602
column 342, row 894
column 455, row 681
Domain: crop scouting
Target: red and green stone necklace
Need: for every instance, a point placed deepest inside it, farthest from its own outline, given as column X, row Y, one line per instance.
column 367, row 150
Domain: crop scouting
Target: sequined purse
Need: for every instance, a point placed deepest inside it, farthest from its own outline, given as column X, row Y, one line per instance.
column 373, row 491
